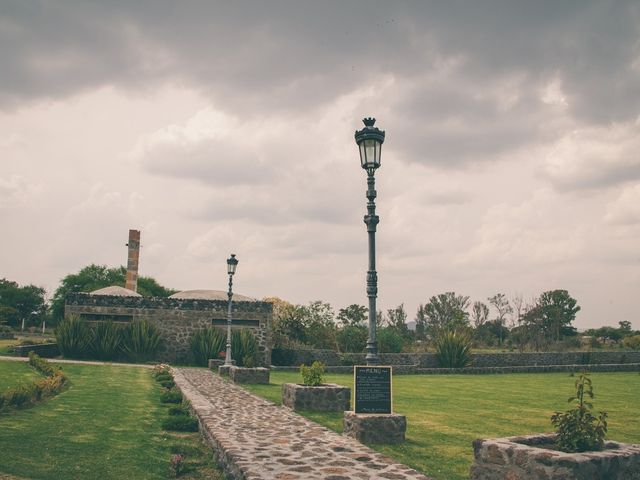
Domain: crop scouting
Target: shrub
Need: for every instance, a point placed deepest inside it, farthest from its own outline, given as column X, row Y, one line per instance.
column 167, row 382
column 206, row 344
column 177, row 465
column 577, row 429
column 161, row 369
column 106, row 341
column 453, row 349
column 161, row 377
column 389, row 340
column 180, row 423
column 313, row 375
column 182, row 409
column 171, row 396
column 140, row 341
column 352, row 338
column 244, row 348
column 632, row 342
column 73, row 337
column 41, row 365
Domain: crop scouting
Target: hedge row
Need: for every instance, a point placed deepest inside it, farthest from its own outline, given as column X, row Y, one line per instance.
column 30, row 394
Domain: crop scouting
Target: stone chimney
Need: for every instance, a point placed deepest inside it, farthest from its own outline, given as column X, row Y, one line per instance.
column 132, row 260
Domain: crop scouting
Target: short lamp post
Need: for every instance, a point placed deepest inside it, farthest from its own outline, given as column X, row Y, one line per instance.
column 232, row 263
column 370, row 140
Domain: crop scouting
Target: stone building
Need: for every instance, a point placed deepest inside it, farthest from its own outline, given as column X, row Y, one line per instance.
column 177, row 317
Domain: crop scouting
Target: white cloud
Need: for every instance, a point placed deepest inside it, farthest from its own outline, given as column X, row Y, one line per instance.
column 594, row 157
column 625, row 210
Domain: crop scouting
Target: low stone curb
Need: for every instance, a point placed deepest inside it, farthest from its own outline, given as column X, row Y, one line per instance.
column 254, row 439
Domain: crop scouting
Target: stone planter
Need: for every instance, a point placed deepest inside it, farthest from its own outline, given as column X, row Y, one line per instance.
column 323, row 398
column 389, row 428
column 525, row 458
column 249, row 375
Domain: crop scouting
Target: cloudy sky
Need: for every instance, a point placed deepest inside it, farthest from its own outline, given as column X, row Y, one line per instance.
column 511, row 162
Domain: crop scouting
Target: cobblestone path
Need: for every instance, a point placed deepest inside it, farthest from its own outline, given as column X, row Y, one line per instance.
column 255, row 439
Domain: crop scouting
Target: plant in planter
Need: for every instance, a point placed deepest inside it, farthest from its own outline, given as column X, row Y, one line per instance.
column 314, row 394
column 577, row 450
column 577, row 429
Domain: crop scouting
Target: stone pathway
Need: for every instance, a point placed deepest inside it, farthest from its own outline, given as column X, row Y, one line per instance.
column 255, row 439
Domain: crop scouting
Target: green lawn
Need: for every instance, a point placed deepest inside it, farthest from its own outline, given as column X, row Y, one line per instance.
column 106, row 425
column 13, row 374
column 445, row 413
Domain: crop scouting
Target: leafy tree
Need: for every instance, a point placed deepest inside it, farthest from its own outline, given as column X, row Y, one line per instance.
column 18, row 304
column 320, row 325
column 421, row 323
column 446, row 311
column 389, row 340
column 94, row 277
column 288, row 324
column 503, row 308
column 397, row 319
column 625, row 326
column 479, row 314
column 352, row 338
column 353, row 315
column 558, row 310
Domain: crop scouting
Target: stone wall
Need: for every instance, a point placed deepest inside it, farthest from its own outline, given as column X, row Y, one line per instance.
column 529, row 457
column 177, row 319
column 479, row 360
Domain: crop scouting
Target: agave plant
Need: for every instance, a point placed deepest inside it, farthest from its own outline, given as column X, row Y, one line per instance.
column 244, row 348
column 453, row 349
column 73, row 337
column 106, row 341
column 140, row 341
column 207, row 343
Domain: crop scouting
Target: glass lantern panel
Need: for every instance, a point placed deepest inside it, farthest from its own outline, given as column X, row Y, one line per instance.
column 370, row 151
column 363, row 155
column 378, row 151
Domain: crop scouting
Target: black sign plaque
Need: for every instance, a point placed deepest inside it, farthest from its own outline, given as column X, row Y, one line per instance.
column 372, row 389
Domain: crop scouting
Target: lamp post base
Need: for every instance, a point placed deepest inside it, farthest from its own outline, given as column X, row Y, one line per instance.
column 383, row 428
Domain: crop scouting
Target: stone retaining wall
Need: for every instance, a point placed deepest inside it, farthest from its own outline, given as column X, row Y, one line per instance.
column 46, row 350
column 481, row 360
column 177, row 319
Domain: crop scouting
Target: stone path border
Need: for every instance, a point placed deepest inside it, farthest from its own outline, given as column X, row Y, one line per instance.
column 254, row 439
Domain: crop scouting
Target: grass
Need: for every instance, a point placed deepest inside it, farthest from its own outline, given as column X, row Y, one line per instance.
column 106, row 425
column 445, row 413
column 13, row 374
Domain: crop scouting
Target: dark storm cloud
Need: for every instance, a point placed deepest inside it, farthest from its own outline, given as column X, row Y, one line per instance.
column 253, row 57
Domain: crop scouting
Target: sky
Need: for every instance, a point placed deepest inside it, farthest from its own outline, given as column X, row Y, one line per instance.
column 511, row 161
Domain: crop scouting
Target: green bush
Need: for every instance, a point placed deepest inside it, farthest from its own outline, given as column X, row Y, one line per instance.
column 632, row 342
column 41, row 365
column 140, row 341
column 180, row 423
column 171, row 396
column 167, row 383
column 106, row 341
column 244, row 348
column 577, row 429
column 313, row 375
column 453, row 349
column 389, row 340
column 352, row 338
column 73, row 337
column 207, row 343
column 282, row 356
column 163, row 376
column 181, row 409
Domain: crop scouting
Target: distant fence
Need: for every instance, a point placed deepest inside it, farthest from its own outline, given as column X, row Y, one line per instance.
column 422, row 361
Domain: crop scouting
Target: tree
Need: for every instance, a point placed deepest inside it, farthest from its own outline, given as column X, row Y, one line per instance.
column 421, row 323
column 94, row 277
column 397, row 319
column 353, row 315
column 503, row 308
column 479, row 314
column 288, row 323
column 321, row 328
column 625, row 326
column 18, row 304
column 446, row 311
column 558, row 310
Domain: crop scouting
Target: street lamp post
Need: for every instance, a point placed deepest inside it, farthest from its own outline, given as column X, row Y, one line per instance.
column 370, row 140
column 232, row 263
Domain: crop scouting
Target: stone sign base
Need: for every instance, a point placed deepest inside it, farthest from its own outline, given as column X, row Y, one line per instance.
column 525, row 458
column 224, row 370
column 375, row 428
column 215, row 363
column 248, row 375
column 329, row 397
